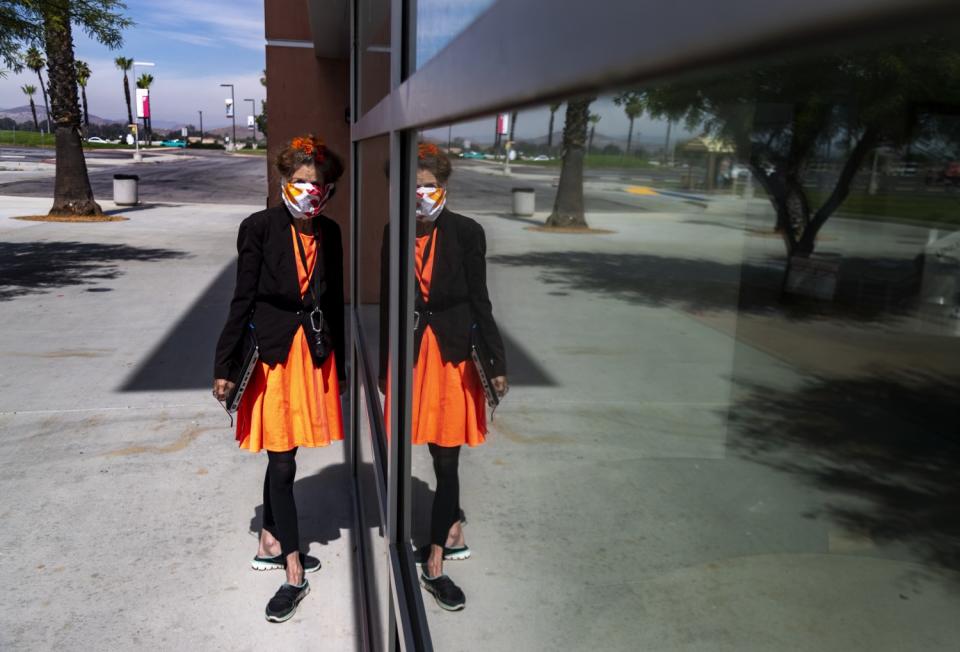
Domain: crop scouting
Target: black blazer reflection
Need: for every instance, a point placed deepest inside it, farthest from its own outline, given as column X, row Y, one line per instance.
column 267, row 285
column 458, row 293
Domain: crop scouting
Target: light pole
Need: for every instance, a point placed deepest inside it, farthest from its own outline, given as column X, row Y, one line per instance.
column 233, row 117
column 253, row 112
column 201, row 126
column 137, row 157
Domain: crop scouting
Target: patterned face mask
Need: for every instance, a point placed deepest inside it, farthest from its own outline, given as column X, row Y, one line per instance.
column 430, row 201
column 305, row 200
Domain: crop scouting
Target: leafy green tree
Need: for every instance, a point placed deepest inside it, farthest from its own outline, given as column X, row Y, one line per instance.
column 49, row 23
column 632, row 104
column 568, row 204
column 778, row 116
column 125, row 64
column 34, row 61
column 262, row 118
column 29, row 90
column 83, row 76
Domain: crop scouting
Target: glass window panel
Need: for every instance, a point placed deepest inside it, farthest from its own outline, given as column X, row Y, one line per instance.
column 440, row 21
column 373, row 217
column 373, row 43
column 373, row 532
column 732, row 344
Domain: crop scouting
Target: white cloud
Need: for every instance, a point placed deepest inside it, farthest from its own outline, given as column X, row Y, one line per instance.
column 238, row 22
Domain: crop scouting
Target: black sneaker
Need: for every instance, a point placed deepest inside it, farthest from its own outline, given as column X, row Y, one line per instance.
column 448, row 595
column 310, row 564
column 422, row 554
column 284, row 603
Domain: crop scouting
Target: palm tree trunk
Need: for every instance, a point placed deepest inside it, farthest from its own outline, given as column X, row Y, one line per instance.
column 550, row 134
column 126, row 94
column 33, row 110
column 46, row 104
column 86, row 111
column 590, row 144
column 629, row 138
column 568, row 205
column 72, row 194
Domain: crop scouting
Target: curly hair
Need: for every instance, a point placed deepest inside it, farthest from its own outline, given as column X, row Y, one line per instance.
column 430, row 158
column 309, row 150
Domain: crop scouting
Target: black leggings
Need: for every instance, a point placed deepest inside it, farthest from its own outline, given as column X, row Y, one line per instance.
column 446, row 502
column 279, row 508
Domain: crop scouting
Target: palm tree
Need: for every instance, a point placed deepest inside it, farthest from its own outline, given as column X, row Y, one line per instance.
column 125, row 64
column 593, row 119
column 144, row 81
column 632, row 103
column 34, row 61
column 553, row 109
column 72, row 194
column 568, row 205
column 29, row 90
column 83, row 76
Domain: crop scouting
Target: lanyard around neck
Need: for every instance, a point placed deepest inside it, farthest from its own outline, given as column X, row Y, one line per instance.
column 316, row 261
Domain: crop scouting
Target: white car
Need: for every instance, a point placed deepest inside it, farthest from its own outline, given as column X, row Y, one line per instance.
column 97, row 139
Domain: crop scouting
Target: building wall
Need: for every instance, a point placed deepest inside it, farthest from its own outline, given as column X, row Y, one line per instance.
column 306, row 95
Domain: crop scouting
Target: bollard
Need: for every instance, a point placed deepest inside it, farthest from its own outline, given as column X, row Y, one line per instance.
column 523, row 201
column 126, row 189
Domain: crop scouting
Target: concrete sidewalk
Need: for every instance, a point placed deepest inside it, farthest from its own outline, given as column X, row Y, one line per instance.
column 128, row 509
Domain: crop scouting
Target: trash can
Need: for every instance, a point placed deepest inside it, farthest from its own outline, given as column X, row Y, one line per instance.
column 126, row 189
column 523, row 201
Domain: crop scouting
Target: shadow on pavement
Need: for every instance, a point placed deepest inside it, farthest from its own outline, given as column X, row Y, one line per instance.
column 868, row 289
column 184, row 359
column 885, row 449
column 31, row 267
column 324, row 503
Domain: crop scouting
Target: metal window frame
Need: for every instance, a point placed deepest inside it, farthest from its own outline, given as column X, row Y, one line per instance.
column 640, row 43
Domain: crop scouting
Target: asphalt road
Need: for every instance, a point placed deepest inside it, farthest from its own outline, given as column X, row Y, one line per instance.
column 480, row 186
column 201, row 176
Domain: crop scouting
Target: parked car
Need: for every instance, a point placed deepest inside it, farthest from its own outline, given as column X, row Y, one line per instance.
column 541, row 157
column 174, row 143
column 471, row 154
column 97, row 139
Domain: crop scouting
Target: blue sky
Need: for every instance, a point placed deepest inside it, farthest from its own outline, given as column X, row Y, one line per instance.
column 196, row 45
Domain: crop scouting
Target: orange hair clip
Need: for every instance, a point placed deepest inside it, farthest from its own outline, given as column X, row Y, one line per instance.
column 310, row 145
column 427, row 149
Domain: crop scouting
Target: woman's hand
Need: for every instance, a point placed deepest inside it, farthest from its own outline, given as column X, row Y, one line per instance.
column 221, row 388
column 501, row 386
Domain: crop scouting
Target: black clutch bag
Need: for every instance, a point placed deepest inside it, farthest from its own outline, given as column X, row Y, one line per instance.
column 483, row 363
column 249, row 359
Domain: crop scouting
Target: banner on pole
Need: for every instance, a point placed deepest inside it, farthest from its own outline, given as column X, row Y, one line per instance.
column 143, row 102
column 229, row 104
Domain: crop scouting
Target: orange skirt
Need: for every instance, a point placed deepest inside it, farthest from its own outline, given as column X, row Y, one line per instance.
column 449, row 406
column 291, row 404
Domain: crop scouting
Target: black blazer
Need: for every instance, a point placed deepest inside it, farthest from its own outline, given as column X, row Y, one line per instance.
column 458, row 293
column 267, row 285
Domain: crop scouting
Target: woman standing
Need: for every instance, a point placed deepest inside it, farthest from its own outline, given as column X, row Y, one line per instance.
column 449, row 405
column 289, row 290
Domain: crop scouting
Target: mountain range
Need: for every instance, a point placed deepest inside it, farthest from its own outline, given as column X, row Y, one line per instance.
column 22, row 114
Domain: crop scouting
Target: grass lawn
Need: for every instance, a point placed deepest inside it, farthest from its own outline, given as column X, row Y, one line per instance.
column 928, row 208
column 37, row 139
column 595, row 161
